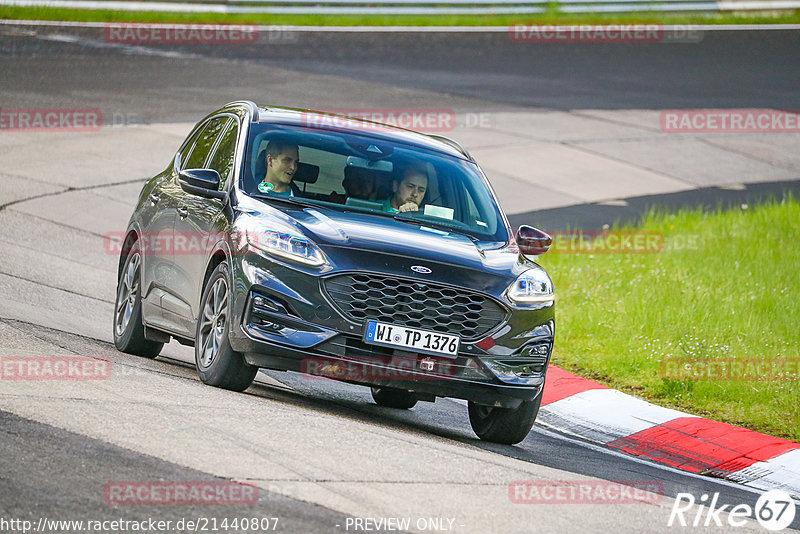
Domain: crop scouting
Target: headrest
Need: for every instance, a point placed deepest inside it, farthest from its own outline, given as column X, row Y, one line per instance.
column 306, row 172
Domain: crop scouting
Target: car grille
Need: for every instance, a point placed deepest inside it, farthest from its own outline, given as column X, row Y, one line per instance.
column 415, row 304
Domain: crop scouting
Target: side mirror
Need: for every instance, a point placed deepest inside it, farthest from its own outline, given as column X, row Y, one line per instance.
column 532, row 241
column 201, row 182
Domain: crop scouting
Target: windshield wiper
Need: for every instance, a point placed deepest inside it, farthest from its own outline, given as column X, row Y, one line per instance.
column 291, row 200
column 401, row 216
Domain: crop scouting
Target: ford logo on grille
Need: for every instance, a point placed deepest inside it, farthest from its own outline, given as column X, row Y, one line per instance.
column 420, row 269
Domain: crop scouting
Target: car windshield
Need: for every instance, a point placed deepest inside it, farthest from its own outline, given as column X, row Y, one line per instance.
column 370, row 175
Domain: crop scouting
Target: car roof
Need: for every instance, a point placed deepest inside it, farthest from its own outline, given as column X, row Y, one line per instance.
column 340, row 123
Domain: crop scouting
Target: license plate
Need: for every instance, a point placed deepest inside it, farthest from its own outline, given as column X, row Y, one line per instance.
column 414, row 339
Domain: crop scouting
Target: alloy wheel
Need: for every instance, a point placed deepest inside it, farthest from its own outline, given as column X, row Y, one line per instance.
column 127, row 292
column 212, row 325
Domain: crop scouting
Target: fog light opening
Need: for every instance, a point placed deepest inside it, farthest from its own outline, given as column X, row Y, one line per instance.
column 539, row 349
column 265, row 305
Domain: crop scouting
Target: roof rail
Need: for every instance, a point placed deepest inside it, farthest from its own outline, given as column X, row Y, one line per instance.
column 453, row 144
column 249, row 104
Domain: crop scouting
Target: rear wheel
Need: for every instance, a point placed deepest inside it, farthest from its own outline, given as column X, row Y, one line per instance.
column 394, row 398
column 504, row 425
column 217, row 363
column 128, row 325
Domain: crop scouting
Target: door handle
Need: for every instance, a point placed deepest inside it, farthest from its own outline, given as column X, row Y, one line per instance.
column 183, row 212
column 155, row 199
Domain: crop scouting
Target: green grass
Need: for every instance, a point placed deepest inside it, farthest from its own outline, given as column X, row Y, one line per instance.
column 725, row 286
column 553, row 17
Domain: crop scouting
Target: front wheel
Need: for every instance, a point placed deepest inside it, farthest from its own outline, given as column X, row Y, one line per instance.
column 504, row 425
column 128, row 325
column 217, row 363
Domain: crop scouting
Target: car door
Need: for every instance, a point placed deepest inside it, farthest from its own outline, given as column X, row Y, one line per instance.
column 199, row 223
column 157, row 224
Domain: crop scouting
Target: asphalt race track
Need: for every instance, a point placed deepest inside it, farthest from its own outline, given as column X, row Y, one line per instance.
column 321, row 452
column 725, row 69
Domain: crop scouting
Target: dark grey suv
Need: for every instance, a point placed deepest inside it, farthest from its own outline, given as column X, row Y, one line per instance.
column 301, row 241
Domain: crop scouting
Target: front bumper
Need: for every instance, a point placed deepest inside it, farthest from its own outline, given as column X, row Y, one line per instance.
column 502, row 370
column 283, row 319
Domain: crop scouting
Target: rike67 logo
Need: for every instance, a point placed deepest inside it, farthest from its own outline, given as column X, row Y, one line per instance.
column 774, row 510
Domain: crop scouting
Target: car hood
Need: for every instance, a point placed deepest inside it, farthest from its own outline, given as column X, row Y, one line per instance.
column 388, row 244
column 354, row 241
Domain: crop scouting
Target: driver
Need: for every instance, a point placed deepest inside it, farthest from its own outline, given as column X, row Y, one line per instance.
column 408, row 190
column 282, row 160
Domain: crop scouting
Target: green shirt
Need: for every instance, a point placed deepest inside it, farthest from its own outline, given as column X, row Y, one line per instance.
column 387, row 206
column 266, row 187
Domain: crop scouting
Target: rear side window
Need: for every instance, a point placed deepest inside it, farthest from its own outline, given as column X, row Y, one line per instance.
column 205, row 141
column 224, row 155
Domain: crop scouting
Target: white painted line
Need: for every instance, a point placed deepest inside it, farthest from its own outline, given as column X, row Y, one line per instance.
column 401, row 29
column 758, row 4
column 118, row 5
column 606, row 7
column 603, row 415
column 175, row 7
column 781, row 472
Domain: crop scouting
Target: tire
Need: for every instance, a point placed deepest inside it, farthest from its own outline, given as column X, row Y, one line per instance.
column 217, row 363
column 508, row 426
column 394, row 398
column 128, row 325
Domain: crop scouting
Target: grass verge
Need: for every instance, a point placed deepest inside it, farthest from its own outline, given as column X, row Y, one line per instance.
column 725, row 288
column 553, row 17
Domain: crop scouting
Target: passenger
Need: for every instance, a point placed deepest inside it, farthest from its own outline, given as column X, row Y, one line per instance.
column 358, row 183
column 282, row 159
column 408, row 190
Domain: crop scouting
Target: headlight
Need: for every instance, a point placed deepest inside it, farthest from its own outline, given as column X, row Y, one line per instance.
column 284, row 244
column 534, row 285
